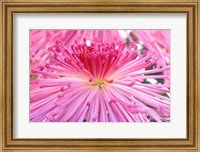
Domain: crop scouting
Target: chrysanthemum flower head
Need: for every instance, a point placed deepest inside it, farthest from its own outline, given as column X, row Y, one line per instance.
column 99, row 81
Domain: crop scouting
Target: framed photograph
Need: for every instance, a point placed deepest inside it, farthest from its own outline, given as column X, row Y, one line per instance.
column 93, row 76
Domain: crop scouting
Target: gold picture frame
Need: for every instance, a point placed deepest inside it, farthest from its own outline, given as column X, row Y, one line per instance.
column 190, row 7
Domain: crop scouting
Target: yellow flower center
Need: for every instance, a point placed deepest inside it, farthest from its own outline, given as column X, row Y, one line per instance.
column 98, row 83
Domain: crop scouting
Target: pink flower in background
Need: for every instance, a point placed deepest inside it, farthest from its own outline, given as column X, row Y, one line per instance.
column 157, row 41
column 98, row 78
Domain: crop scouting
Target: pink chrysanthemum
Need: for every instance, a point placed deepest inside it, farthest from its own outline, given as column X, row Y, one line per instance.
column 99, row 82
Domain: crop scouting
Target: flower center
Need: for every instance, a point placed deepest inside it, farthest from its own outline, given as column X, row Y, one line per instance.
column 98, row 83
